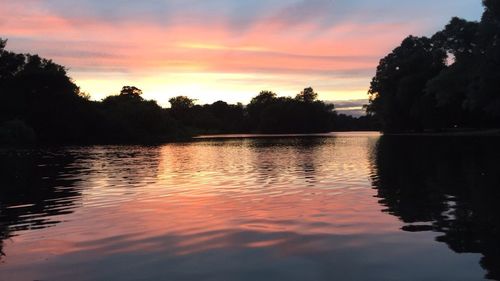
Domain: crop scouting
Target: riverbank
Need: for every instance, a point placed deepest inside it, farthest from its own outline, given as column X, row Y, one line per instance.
column 457, row 133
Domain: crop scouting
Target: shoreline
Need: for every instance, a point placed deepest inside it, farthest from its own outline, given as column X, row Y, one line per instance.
column 458, row 133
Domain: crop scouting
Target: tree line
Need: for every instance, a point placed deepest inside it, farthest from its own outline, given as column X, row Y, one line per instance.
column 450, row 80
column 39, row 103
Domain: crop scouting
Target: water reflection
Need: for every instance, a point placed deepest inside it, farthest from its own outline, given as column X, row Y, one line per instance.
column 35, row 193
column 446, row 185
column 42, row 187
column 289, row 208
column 274, row 158
column 120, row 166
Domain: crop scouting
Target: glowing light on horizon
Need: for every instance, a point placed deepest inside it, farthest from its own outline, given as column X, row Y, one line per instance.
column 220, row 50
column 206, row 87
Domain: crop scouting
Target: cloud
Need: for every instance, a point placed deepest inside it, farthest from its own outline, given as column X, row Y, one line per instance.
column 350, row 107
column 244, row 14
column 333, row 44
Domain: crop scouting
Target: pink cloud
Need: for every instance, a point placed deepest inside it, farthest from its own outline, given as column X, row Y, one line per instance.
column 140, row 47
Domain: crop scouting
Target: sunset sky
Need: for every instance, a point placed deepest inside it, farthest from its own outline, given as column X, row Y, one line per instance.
column 222, row 49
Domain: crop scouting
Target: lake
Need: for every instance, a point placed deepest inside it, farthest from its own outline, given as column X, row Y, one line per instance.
column 345, row 206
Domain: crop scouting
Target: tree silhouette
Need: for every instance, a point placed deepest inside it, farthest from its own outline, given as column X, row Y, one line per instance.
column 40, row 103
column 264, row 97
column 257, row 105
column 181, row 109
column 447, row 81
column 38, row 93
column 304, row 114
column 181, row 102
column 492, row 8
column 131, row 91
column 131, row 118
column 397, row 95
column 307, row 95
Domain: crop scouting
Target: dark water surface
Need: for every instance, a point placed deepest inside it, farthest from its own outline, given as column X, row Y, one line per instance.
column 331, row 207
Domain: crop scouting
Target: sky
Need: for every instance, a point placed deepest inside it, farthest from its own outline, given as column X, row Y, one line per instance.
column 223, row 49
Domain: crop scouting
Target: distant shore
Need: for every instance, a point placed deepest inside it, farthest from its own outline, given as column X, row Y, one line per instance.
column 250, row 135
column 457, row 133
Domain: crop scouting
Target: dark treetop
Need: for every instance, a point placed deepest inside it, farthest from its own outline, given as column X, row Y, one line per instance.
column 39, row 103
column 450, row 80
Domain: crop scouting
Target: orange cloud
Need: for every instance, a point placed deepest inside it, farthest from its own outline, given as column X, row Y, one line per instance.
column 103, row 54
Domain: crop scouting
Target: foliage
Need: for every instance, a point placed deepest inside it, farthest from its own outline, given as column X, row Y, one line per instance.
column 304, row 114
column 39, row 101
column 492, row 8
column 39, row 95
column 307, row 95
column 181, row 102
column 397, row 93
column 131, row 92
column 38, row 92
column 16, row 132
column 447, row 81
column 128, row 118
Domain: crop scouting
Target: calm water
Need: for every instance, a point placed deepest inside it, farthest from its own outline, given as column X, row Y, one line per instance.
column 332, row 207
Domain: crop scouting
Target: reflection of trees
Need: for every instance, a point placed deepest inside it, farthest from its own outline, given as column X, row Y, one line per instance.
column 283, row 154
column 127, row 166
column 306, row 150
column 34, row 190
column 39, row 185
column 448, row 185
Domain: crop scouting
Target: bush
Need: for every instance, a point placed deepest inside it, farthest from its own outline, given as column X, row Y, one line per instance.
column 16, row 132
